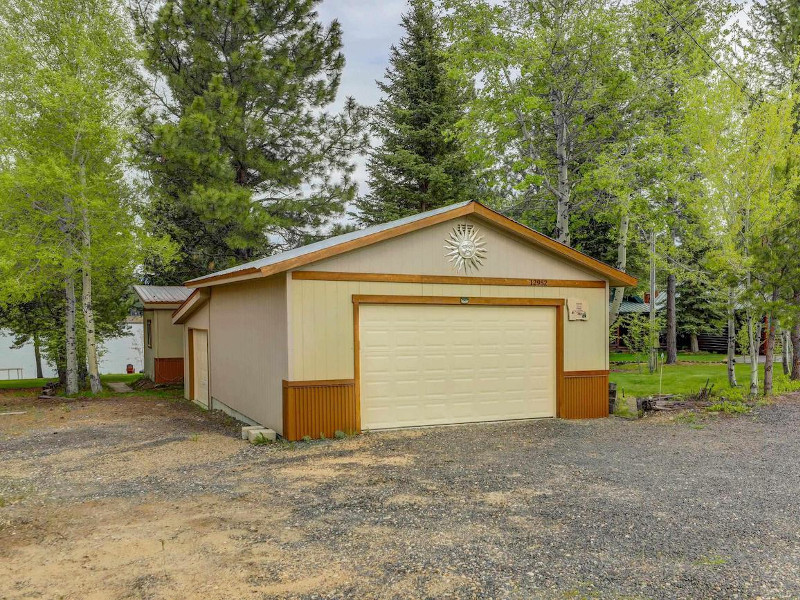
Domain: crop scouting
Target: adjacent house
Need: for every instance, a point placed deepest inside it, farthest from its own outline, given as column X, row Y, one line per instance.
column 633, row 305
column 163, row 340
column 455, row 315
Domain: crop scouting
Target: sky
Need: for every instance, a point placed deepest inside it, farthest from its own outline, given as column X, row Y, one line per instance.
column 369, row 28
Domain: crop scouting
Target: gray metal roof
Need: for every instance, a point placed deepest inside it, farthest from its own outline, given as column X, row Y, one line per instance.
column 162, row 294
column 332, row 241
column 643, row 307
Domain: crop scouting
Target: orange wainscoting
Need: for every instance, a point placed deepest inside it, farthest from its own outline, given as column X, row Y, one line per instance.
column 168, row 370
column 311, row 408
column 584, row 395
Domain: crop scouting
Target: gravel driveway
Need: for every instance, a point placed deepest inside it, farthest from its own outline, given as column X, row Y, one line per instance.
column 148, row 497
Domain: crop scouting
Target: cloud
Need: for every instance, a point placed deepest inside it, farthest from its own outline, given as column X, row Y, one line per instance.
column 368, row 29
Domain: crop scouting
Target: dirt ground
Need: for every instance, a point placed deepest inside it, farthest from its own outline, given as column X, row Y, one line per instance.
column 148, row 497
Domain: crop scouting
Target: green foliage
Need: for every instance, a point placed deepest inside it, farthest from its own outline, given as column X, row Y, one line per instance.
column 67, row 208
column 420, row 164
column 730, row 407
column 775, row 40
column 640, row 335
column 242, row 155
column 550, row 104
column 260, row 440
column 339, row 435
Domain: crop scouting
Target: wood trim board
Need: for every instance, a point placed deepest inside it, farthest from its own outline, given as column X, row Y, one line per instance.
column 443, row 279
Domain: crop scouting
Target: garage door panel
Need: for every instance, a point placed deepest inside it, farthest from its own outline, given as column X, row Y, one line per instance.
column 429, row 365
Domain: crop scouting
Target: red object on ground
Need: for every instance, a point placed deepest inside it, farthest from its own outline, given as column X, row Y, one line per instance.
column 129, row 369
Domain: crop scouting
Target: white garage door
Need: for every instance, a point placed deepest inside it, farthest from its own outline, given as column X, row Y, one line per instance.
column 432, row 365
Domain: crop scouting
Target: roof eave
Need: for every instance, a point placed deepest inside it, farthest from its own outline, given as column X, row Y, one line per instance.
column 194, row 302
column 160, row 305
column 615, row 277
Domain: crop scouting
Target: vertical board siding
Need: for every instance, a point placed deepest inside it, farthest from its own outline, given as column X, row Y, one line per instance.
column 584, row 395
column 312, row 408
column 168, row 370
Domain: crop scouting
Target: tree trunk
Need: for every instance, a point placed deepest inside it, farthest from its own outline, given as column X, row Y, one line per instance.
column 86, row 300
column 71, row 345
column 786, row 354
column 732, row 338
column 754, row 345
column 88, row 314
column 653, row 359
column 694, row 343
column 71, row 349
column 37, row 353
column 562, row 158
column 622, row 261
column 769, row 359
column 795, row 335
column 672, row 326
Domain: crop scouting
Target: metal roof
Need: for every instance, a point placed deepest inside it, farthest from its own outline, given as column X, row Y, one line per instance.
column 162, row 294
column 628, row 306
column 331, row 241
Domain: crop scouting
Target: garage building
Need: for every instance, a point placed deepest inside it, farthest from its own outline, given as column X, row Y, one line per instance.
column 163, row 341
column 455, row 315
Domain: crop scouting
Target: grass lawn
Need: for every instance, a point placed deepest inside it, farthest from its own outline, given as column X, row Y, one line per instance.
column 23, row 384
column 618, row 357
column 688, row 379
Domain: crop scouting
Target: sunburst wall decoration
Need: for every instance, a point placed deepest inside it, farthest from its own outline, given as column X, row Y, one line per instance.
column 465, row 248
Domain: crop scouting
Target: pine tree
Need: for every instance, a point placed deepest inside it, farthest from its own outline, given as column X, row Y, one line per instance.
column 420, row 164
column 235, row 138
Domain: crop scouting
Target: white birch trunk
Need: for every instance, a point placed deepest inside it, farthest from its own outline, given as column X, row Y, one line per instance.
column 88, row 307
column 652, row 363
column 622, row 262
column 753, row 340
column 732, row 338
column 786, row 351
column 70, row 308
column 562, row 156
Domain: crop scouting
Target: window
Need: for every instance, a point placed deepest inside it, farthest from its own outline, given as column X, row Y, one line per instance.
column 149, row 333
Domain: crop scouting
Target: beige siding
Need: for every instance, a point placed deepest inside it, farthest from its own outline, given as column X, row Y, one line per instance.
column 149, row 365
column 422, row 252
column 169, row 336
column 199, row 320
column 167, row 339
column 248, row 348
column 321, row 322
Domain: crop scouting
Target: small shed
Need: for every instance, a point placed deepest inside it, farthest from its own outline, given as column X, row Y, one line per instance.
column 455, row 315
column 163, row 340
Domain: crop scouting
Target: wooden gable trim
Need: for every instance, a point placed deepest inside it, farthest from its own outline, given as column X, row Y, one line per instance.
column 196, row 300
column 615, row 276
column 444, row 279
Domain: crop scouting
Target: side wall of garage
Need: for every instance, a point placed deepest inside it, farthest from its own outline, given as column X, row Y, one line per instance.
column 248, row 348
column 199, row 320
